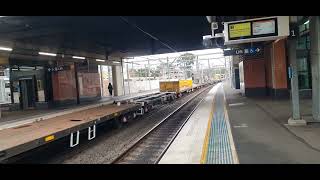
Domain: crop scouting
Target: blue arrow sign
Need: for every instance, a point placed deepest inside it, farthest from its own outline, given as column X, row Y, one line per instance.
column 247, row 51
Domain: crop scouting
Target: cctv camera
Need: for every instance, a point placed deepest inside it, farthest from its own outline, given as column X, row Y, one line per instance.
column 218, row 42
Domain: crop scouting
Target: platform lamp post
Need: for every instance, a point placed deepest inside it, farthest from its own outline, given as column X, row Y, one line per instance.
column 293, row 74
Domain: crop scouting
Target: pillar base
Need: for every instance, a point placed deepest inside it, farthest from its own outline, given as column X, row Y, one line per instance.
column 297, row 122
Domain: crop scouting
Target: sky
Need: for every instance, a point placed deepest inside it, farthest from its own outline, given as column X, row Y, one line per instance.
column 215, row 57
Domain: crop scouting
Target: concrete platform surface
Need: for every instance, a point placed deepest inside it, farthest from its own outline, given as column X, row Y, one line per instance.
column 261, row 133
column 197, row 141
column 12, row 137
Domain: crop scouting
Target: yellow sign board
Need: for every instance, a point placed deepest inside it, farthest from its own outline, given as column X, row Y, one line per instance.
column 240, row 30
column 49, row 138
column 4, row 60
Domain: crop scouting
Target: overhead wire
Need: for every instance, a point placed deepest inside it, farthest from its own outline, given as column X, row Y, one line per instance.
column 150, row 35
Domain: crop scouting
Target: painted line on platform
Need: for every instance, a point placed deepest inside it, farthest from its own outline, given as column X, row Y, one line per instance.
column 232, row 144
column 205, row 148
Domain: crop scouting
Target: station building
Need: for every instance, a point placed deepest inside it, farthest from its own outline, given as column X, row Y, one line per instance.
column 40, row 82
column 268, row 74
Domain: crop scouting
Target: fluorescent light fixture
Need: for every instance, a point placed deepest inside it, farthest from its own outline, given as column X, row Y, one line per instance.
column 307, row 22
column 47, row 54
column 78, row 57
column 117, row 62
column 5, row 49
column 206, row 37
column 100, row 60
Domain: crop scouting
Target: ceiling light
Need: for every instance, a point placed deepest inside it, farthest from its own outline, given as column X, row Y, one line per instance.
column 117, row 62
column 307, row 22
column 78, row 57
column 100, row 60
column 47, row 54
column 5, row 49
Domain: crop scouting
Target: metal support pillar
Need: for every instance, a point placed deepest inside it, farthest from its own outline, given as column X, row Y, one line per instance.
column 117, row 76
column 168, row 69
column 315, row 65
column 101, row 81
column 149, row 74
column 296, row 117
column 128, row 78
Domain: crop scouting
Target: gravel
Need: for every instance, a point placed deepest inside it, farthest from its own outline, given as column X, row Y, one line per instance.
column 108, row 145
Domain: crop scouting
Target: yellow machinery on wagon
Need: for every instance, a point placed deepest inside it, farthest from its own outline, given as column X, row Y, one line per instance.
column 178, row 86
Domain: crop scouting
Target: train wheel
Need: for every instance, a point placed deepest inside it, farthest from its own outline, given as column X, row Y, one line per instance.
column 117, row 123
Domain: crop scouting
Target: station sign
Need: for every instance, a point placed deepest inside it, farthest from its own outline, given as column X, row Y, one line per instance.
column 58, row 68
column 256, row 30
column 253, row 29
column 239, row 30
column 294, row 31
column 245, row 51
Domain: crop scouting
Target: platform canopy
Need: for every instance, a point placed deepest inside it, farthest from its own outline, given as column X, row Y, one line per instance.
column 141, row 35
column 99, row 36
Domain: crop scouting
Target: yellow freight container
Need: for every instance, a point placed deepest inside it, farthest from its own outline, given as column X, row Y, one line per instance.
column 177, row 86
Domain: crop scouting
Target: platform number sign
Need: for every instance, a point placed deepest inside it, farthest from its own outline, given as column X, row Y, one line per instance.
column 293, row 31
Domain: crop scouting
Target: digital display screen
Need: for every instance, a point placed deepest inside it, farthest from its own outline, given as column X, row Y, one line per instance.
column 264, row 27
column 240, row 30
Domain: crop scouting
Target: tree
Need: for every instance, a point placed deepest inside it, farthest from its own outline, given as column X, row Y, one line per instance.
column 185, row 62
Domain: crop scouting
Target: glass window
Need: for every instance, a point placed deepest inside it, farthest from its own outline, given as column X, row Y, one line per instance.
column 303, row 73
column 89, row 81
column 5, row 94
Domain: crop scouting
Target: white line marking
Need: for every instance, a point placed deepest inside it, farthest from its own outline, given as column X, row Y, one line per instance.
column 241, row 126
column 236, row 104
column 232, row 144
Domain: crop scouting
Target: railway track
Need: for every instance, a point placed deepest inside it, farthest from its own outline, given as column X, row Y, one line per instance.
column 59, row 151
column 150, row 147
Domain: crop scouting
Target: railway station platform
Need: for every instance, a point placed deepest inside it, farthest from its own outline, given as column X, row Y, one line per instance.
column 206, row 138
column 262, row 134
column 22, row 117
column 255, row 128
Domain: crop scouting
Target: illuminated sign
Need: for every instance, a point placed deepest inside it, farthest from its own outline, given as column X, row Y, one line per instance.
column 264, row 27
column 240, row 30
column 252, row 29
column 261, row 29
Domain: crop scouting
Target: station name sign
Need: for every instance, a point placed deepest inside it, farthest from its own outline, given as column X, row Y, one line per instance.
column 253, row 29
column 58, row 68
column 245, row 51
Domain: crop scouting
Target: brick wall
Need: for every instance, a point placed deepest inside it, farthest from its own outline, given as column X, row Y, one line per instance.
column 280, row 66
column 254, row 73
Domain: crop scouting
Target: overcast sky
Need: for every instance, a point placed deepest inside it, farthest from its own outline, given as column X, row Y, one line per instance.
column 215, row 57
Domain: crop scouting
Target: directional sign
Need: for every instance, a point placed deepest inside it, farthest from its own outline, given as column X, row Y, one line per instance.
column 246, row 51
column 58, row 68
